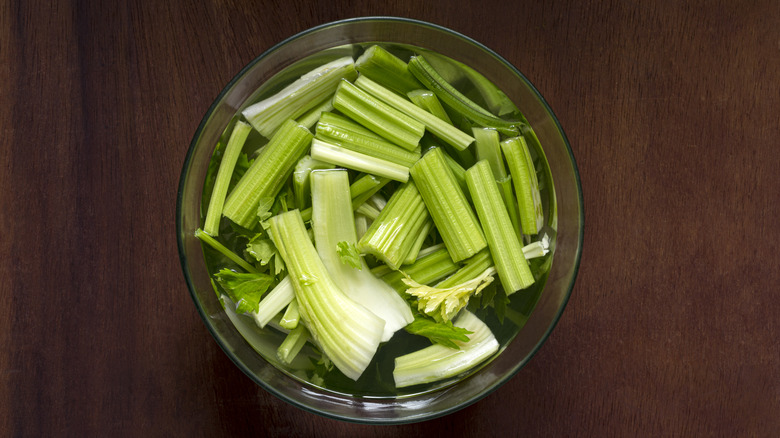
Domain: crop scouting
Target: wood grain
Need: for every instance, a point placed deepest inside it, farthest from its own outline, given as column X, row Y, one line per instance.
column 673, row 113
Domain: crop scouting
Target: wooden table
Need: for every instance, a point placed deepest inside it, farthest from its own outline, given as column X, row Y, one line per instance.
column 673, row 112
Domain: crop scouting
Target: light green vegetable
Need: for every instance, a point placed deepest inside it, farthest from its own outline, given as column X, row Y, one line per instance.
column 350, row 159
column 386, row 68
column 526, row 184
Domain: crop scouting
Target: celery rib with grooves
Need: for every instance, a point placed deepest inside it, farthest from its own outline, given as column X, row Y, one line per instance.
column 274, row 302
column 378, row 116
column 448, row 206
column 428, row 268
column 445, row 131
column 428, row 101
column 526, row 184
column 267, row 174
column 333, row 223
column 232, row 151
column 214, row 243
column 505, row 248
column 340, row 156
column 306, row 93
column 384, row 67
column 348, row 333
column 432, row 80
column 438, row 362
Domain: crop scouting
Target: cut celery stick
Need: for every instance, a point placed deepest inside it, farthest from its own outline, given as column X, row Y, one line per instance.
column 458, row 172
column 340, row 131
column 301, row 184
column 428, row 268
column 212, row 242
column 441, row 129
column 347, row 332
column 378, row 116
column 394, row 232
column 387, row 69
column 447, row 204
column 505, row 248
column 428, row 101
column 438, row 362
column 367, row 211
column 267, row 173
column 292, row 344
column 339, row 156
column 308, row 92
column 472, row 267
column 313, row 115
column 526, row 184
column 418, row 243
column 274, row 302
column 456, row 100
column 232, row 151
column 360, row 190
column 291, row 316
column 488, row 147
column 332, row 222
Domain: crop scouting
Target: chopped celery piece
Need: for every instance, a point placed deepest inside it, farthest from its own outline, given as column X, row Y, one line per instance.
column 526, row 184
column 442, row 304
column 471, row 268
column 458, row 172
column 539, row 248
column 232, row 151
column 291, row 316
column 212, row 242
column 301, row 183
column 389, row 70
column 488, row 146
column 360, row 190
column 441, row 129
column 429, row 267
column 309, row 91
column 274, row 302
column 347, row 332
column 313, row 116
column 267, row 174
column 428, row 101
column 447, row 204
column 340, row 156
column 378, row 116
column 292, row 344
column 438, row 362
column 333, row 224
column 418, row 243
column 341, row 131
column 505, row 248
column 456, row 100
column 368, row 211
column 394, row 232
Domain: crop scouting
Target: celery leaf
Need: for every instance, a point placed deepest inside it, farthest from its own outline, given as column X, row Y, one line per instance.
column 442, row 333
column 349, row 254
column 245, row 289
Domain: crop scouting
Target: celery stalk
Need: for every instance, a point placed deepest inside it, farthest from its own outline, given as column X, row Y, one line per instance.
column 506, row 249
column 438, row 362
column 292, row 344
column 471, row 268
column 313, row 115
column 347, row 332
column 428, row 101
column 447, row 204
column 340, row 156
column 309, row 91
column 440, row 128
column 232, row 151
column 274, row 302
column 340, row 131
column 333, row 223
column 267, row 174
column 429, row 267
column 378, row 116
column 291, row 316
column 301, row 180
column 418, row 243
column 214, row 243
column 526, row 184
column 394, row 232
column 387, row 69
column 360, row 190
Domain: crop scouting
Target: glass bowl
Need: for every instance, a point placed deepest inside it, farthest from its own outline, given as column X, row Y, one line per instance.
column 565, row 216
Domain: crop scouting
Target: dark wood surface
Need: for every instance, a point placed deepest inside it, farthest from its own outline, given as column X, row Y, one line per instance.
column 673, row 113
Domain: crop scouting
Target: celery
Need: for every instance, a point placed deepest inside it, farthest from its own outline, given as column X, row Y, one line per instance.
column 291, row 316
column 442, row 304
column 267, row 174
column 429, row 267
column 333, row 224
column 471, row 268
column 488, row 148
column 447, row 204
column 378, row 116
column 274, row 302
column 340, row 156
column 428, row 101
column 309, row 91
column 505, row 248
column 367, row 211
column 301, row 184
column 348, row 333
column 212, row 242
column 441, row 129
column 232, row 150
column 292, row 344
column 360, row 190
column 456, row 100
column 386, row 68
column 392, row 235
column 418, row 243
column 438, row 362
column 526, row 184
column 340, row 131
column 313, row 116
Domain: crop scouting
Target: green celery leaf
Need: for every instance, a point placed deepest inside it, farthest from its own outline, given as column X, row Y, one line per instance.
column 349, row 254
column 438, row 332
column 245, row 289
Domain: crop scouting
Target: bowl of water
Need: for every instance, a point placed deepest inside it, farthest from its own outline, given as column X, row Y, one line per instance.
column 520, row 323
